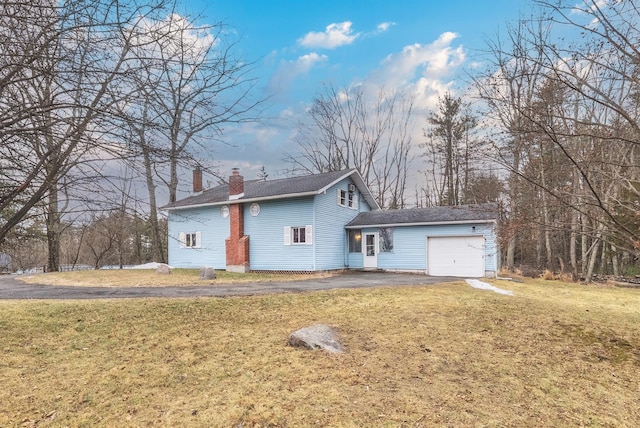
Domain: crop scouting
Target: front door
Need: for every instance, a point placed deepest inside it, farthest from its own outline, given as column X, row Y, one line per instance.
column 370, row 249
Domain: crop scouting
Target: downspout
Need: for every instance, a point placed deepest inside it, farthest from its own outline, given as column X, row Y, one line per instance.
column 345, row 248
column 315, row 232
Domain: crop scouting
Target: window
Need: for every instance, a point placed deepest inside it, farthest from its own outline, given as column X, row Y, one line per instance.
column 355, row 241
column 297, row 235
column 386, row 239
column 348, row 198
column 342, row 197
column 190, row 239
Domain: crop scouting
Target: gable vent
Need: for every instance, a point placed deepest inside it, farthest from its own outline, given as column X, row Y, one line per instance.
column 352, row 187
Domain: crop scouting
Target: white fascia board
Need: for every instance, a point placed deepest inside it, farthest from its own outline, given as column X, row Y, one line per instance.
column 337, row 180
column 270, row 198
column 241, row 201
column 355, row 175
column 434, row 223
column 188, row 207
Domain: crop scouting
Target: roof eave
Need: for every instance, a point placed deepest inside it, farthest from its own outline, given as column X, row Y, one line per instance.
column 353, row 173
column 430, row 223
column 243, row 200
column 364, row 190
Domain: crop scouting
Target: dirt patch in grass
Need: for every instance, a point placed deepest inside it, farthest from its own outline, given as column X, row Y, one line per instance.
column 553, row 354
column 149, row 278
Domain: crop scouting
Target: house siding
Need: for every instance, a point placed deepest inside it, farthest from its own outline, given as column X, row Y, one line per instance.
column 491, row 249
column 355, row 261
column 410, row 250
column 267, row 250
column 330, row 236
column 214, row 229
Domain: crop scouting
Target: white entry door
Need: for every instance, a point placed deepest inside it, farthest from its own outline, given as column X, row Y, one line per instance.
column 455, row 256
column 370, row 249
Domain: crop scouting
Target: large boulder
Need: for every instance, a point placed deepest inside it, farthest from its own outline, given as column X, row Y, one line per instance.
column 318, row 336
column 163, row 269
column 207, row 273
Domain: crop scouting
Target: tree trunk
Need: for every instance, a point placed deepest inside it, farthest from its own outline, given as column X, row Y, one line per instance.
column 157, row 246
column 545, row 214
column 594, row 253
column 53, row 230
column 511, row 249
column 573, row 240
column 584, row 247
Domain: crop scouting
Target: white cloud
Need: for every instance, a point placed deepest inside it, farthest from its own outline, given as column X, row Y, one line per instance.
column 584, row 7
column 426, row 70
column 335, row 35
column 288, row 71
column 384, row 26
column 304, row 63
column 180, row 34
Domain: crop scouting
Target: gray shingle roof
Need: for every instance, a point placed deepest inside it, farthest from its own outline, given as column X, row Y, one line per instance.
column 462, row 213
column 270, row 189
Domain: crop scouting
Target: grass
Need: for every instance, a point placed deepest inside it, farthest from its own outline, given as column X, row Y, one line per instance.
column 149, row 278
column 554, row 354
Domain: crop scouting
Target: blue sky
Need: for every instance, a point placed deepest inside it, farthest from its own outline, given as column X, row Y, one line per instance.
column 421, row 46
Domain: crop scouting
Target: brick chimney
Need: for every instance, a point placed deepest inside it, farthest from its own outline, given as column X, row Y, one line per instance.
column 236, row 185
column 197, row 180
column 237, row 245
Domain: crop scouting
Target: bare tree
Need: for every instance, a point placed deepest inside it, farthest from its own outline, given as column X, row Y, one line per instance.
column 55, row 100
column 508, row 88
column 569, row 117
column 188, row 86
column 68, row 71
column 351, row 128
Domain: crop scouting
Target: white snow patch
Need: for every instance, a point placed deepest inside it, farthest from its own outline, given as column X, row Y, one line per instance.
column 484, row 286
column 152, row 265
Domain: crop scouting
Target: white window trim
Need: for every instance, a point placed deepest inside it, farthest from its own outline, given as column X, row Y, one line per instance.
column 351, row 204
column 308, row 235
column 182, row 238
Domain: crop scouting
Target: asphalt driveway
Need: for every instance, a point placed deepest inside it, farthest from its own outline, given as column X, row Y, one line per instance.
column 11, row 288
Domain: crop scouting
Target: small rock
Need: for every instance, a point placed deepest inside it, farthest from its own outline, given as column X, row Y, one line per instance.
column 318, row 336
column 207, row 273
column 163, row 269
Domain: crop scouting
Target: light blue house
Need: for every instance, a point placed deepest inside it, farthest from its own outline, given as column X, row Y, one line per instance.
column 325, row 222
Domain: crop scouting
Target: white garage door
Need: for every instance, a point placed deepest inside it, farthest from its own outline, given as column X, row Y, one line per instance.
column 455, row 256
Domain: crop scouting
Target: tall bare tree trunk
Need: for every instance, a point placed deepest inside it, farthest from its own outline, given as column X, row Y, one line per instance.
column 157, row 241
column 584, row 247
column 594, row 253
column 573, row 243
column 53, row 230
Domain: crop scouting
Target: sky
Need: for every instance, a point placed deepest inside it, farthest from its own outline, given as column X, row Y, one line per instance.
column 425, row 47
